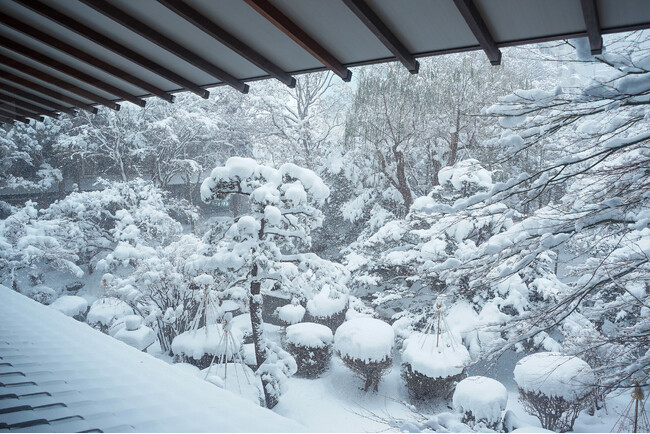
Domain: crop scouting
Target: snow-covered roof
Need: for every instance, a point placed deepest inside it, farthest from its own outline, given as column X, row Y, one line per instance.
column 60, row 375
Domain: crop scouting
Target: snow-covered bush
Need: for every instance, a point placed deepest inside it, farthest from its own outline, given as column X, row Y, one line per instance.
column 291, row 313
column 366, row 347
column 328, row 308
column 71, row 305
column 205, row 345
column 106, row 311
column 554, row 388
column 481, row 400
column 432, row 365
column 310, row 344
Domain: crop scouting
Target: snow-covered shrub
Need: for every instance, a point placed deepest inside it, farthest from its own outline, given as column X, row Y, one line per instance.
column 481, row 400
column 327, row 308
column 310, row 344
column 274, row 372
column 432, row 365
column 71, row 305
column 236, row 378
column 205, row 345
column 106, row 311
column 554, row 388
column 366, row 347
column 291, row 313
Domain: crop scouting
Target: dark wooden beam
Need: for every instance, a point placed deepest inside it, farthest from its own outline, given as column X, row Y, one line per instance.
column 106, row 42
column 137, row 26
column 9, row 110
column 43, row 37
column 14, row 91
column 43, row 76
column 292, row 30
column 370, row 19
column 478, row 27
column 224, row 37
column 35, row 87
column 69, row 71
column 27, row 106
column 590, row 12
column 11, row 119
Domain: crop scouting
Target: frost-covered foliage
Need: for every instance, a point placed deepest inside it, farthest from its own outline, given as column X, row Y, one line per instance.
column 554, row 388
column 406, row 263
column 481, row 400
column 264, row 250
column 25, row 155
column 602, row 219
column 109, row 228
column 366, row 347
column 311, row 346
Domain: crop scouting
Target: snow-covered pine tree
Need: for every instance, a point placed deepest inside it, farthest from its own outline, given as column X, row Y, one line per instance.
column 265, row 248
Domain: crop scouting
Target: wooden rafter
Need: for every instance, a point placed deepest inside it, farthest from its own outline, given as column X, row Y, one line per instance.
column 370, row 19
column 590, row 12
column 10, row 119
column 19, row 93
column 137, row 26
column 43, row 37
column 477, row 25
column 292, row 30
column 27, row 106
column 35, row 87
column 69, row 71
column 106, row 42
column 224, row 37
column 8, row 110
column 50, row 79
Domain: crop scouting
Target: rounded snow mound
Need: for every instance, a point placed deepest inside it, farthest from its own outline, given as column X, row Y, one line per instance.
column 70, row 305
column 291, row 313
column 485, row 397
column 309, row 334
column 365, row 339
column 209, row 340
column 434, row 358
column 553, row 374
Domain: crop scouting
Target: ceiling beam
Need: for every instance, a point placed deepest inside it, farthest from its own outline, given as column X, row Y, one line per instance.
column 292, row 30
column 69, row 71
column 370, row 19
column 35, row 87
column 224, row 37
column 107, row 43
column 590, row 13
column 14, row 91
column 137, row 26
column 11, row 119
column 43, row 37
column 50, row 79
column 27, row 106
column 9, row 110
column 473, row 18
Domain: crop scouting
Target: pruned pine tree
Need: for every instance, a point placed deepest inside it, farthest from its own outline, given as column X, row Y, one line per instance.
column 264, row 248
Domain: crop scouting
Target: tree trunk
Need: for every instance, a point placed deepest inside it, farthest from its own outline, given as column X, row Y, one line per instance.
column 453, row 144
column 402, row 183
column 257, row 324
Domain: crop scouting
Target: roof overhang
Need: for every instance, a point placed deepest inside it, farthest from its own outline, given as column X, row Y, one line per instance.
column 63, row 55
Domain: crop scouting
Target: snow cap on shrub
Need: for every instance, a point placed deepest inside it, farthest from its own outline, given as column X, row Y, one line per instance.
column 484, row 397
column 445, row 360
column 309, row 334
column 553, row 374
column 365, row 339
